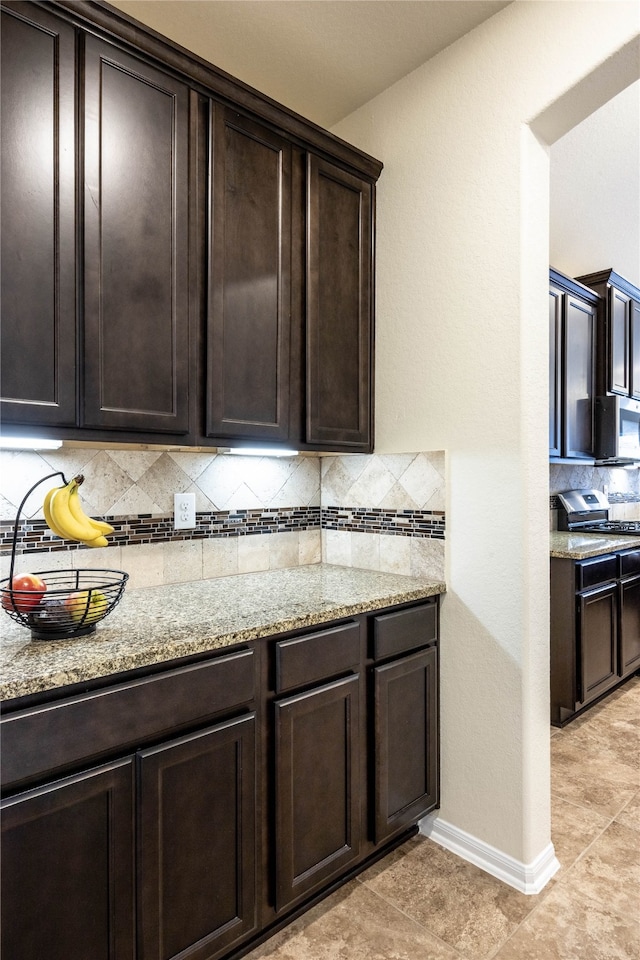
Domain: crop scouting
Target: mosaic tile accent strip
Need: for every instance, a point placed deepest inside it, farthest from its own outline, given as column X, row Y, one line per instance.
column 400, row 523
column 35, row 537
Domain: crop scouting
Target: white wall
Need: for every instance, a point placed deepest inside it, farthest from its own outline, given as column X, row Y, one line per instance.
column 462, row 273
column 595, row 216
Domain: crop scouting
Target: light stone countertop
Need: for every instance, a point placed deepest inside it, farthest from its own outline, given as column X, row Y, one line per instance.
column 156, row 624
column 580, row 546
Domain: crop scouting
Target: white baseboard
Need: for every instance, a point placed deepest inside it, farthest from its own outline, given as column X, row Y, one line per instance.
column 525, row 877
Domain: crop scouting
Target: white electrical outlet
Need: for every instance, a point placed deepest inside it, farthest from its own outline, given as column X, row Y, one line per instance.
column 184, row 511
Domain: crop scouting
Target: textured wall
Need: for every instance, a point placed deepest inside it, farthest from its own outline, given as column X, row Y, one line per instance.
column 462, row 365
column 595, row 192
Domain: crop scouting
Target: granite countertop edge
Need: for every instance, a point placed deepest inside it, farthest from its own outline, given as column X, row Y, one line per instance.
column 159, row 624
column 581, row 546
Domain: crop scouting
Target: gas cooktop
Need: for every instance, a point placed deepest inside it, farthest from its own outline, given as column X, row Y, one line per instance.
column 611, row 526
column 587, row 511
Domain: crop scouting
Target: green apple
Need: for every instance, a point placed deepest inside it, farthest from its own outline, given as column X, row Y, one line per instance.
column 93, row 603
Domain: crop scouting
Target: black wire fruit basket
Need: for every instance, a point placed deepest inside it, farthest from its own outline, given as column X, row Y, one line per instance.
column 60, row 604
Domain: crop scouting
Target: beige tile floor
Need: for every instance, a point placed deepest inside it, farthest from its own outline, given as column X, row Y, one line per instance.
column 423, row 903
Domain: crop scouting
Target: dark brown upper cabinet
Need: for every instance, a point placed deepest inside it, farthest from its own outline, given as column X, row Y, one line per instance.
column 339, row 308
column 204, row 256
column 38, row 295
column 249, row 308
column 619, row 334
column 136, row 256
column 573, row 314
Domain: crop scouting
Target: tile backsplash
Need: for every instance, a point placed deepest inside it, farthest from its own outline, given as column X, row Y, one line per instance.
column 381, row 512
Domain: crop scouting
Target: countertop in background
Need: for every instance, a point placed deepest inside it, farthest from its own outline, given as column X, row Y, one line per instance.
column 580, row 546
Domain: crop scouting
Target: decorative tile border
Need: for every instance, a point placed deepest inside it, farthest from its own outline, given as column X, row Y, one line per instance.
column 35, row 537
column 399, row 523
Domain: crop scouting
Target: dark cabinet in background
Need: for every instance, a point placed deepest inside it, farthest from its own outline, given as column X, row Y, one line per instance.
column 619, row 333
column 597, row 640
column 38, row 257
column 572, row 390
column 595, row 628
column 629, row 605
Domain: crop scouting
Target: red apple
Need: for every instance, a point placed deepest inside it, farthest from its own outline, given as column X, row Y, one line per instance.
column 26, row 592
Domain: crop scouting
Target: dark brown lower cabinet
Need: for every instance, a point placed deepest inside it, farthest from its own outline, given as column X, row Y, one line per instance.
column 68, row 868
column 196, row 816
column 406, row 725
column 598, row 640
column 595, row 629
column 317, row 736
column 210, row 808
column 629, row 603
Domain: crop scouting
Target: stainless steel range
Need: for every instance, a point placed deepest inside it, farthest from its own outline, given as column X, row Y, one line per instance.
column 587, row 511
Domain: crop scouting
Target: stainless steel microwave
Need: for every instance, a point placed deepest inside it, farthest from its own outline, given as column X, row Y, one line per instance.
column 617, row 430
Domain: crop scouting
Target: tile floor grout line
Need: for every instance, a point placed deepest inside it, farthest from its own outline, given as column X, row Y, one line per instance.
column 408, row 916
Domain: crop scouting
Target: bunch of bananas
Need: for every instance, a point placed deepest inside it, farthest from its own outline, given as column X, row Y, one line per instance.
column 66, row 518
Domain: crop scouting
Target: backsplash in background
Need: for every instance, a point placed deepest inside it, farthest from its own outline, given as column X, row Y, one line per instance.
column 252, row 513
column 622, row 486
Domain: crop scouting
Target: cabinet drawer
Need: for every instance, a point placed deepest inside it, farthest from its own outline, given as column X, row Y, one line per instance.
column 57, row 736
column 395, row 633
column 589, row 573
column 317, row 656
column 629, row 563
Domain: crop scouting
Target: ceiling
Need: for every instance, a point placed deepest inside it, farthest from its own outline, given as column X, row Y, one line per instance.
column 321, row 58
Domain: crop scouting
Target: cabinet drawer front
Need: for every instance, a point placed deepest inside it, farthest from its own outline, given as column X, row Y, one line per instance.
column 589, row 573
column 395, row 633
column 629, row 563
column 318, row 656
column 60, row 735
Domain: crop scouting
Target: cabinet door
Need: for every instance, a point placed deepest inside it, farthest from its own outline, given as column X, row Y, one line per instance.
column 555, row 372
column 38, row 219
column 597, row 640
column 249, row 318
column 316, row 787
column 339, row 308
column 406, row 741
column 629, row 625
column 67, row 868
column 620, row 352
column 196, row 871
column 579, row 352
column 634, row 308
column 136, row 192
